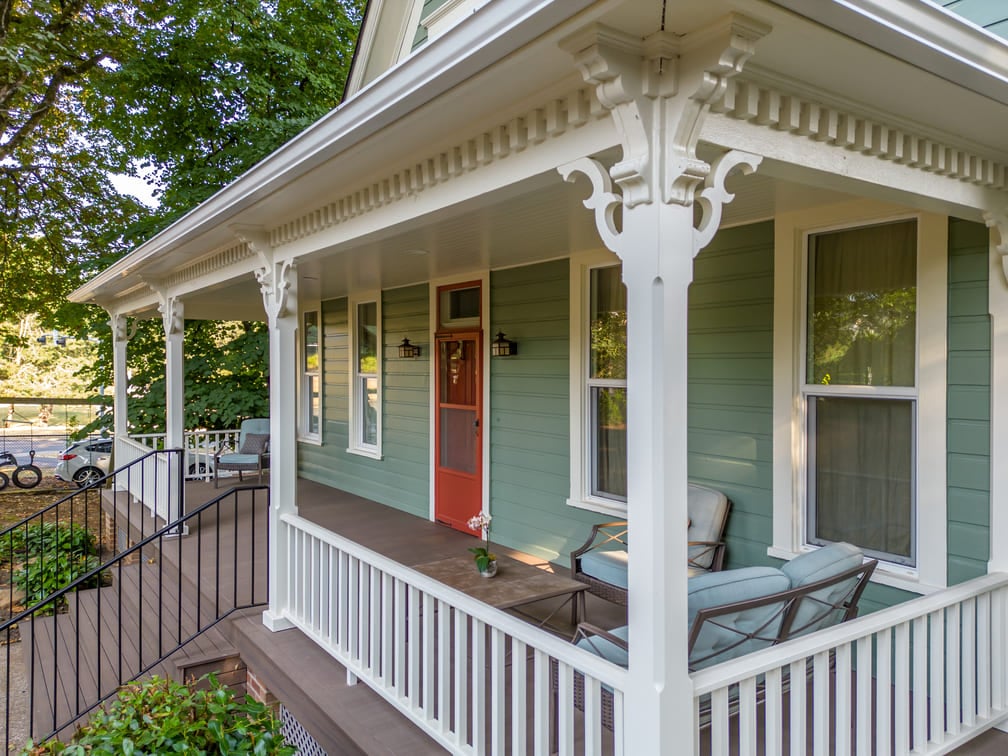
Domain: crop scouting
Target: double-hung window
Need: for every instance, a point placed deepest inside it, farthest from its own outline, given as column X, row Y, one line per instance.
column 860, row 389
column 365, row 386
column 311, row 378
column 599, row 389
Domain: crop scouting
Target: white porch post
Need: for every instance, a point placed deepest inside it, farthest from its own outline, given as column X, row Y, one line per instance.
column 278, row 284
column 173, row 317
column 658, row 93
column 120, row 379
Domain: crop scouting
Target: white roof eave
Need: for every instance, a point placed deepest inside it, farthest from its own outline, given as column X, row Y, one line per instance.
column 434, row 69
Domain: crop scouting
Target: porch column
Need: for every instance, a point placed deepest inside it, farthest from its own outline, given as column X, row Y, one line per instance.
column 173, row 317
column 278, row 283
column 120, row 380
column 997, row 301
column 658, row 93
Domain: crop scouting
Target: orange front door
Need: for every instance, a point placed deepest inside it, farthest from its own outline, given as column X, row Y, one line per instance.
column 458, row 464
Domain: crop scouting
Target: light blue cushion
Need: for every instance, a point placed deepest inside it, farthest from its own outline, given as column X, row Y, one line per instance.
column 239, row 459
column 606, row 648
column 813, row 613
column 718, row 643
column 607, row 566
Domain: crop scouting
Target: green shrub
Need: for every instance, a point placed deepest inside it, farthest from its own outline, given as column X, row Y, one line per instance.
column 43, row 576
column 29, row 541
column 52, row 555
column 162, row 717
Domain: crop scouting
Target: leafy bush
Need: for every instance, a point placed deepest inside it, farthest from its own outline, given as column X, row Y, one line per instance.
column 161, row 716
column 52, row 556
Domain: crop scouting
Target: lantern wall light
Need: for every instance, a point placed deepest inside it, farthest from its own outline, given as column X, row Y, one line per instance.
column 501, row 347
column 408, row 351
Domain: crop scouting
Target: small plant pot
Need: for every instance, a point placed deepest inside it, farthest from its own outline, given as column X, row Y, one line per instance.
column 491, row 569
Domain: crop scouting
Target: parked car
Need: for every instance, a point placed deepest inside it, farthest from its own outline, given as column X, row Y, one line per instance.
column 84, row 462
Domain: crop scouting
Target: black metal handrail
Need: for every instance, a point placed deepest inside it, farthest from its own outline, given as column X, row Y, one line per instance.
column 112, row 635
column 83, row 509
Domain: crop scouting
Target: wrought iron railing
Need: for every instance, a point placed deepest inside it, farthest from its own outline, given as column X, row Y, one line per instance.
column 82, row 643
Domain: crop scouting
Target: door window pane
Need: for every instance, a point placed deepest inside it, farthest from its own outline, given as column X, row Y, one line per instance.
column 863, row 306
column 861, row 474
column 458, row 440
column 459, row 372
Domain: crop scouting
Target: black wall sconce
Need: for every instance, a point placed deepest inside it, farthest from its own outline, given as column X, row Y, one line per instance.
column 408, row 351
column 501, row 347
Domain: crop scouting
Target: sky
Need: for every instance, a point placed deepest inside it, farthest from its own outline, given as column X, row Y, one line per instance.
column 135, row 187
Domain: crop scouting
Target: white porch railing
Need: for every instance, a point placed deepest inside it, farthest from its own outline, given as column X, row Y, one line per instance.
column 152, row 481
column 476, row 679
column 925, row 676
column 200, row 446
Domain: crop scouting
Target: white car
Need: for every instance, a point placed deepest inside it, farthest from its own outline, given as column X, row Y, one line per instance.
column 85, row 462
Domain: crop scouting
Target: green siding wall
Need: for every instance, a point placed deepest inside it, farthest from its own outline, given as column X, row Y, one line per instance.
column 969, row 389
column 730, row 414
column 402, row 478
column 530, row 414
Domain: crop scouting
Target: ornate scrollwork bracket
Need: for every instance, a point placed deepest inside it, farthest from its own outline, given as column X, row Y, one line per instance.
column 999, row 219
column 602, row 200
column 122, row 329
column 172, row 315
column 274, row 276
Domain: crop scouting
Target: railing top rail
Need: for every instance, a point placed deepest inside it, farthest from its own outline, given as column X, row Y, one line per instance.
column 564, row 651
column 718, row 676
column 98, row 484
column 122, row 555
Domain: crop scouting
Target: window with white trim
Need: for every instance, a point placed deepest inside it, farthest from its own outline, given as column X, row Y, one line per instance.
column 860, row 389
column 598, row 387
column 365, row 385
column 311, row 377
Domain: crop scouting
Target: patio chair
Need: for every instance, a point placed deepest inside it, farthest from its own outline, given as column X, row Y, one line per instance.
column 601, row 561
column 738, row 612
column 252, row 454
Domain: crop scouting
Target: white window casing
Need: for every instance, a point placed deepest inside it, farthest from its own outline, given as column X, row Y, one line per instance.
column 582, row 431
column 790, row 420
column 310, row 381
column 364, row 377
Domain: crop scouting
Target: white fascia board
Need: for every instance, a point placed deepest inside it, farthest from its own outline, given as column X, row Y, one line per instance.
column 498, row 30
column 921, row 33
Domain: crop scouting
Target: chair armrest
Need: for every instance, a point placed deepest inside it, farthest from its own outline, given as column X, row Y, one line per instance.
column 586, row 630
column 716, row 548
column 590, row 544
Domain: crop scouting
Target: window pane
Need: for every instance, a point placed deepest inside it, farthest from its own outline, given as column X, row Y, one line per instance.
column 311, row 342
column 369, row 411
column 863, row 306
column 861, row 474
column 609, row 452
column 367, row 337
column 608, row 323
column 458, row 440
column 314, row 404
column 459, row 369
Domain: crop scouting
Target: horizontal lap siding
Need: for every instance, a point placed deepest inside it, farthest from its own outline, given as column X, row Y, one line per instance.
column 969, row 392
column 730, row 413
column 530, row 414
column 400, row 479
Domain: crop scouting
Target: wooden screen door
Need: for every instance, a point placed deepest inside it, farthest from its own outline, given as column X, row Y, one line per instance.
column 458, row 464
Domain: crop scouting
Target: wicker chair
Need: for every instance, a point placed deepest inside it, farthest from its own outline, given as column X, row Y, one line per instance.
column 252, row 454
column 601, row 561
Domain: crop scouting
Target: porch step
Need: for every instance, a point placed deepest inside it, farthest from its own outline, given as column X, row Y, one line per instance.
column 312, row 686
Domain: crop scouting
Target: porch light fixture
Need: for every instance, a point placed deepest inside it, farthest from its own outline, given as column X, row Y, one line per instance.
column 501, row 347
column 408, row 351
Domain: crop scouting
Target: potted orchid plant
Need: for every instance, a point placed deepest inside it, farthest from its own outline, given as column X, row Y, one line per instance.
column 486, row 561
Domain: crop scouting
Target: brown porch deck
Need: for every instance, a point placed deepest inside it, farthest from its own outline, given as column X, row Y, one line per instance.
column 310, row 683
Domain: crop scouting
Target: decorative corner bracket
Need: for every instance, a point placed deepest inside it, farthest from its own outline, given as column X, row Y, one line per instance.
column 713, row 197
column 274, row 276
column 172, row 316
column 602, row 200
column 999, row 220
column 122, row 329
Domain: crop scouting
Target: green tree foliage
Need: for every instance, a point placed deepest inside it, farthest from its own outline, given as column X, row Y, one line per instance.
column 226, row 375
column 30, row 369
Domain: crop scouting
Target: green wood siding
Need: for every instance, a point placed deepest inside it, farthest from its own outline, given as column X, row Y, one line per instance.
column 530, row 414
column 401, row 478
column 968, row 433
column 730, row 370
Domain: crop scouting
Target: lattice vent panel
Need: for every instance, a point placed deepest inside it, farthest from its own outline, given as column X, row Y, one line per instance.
column 298, row 736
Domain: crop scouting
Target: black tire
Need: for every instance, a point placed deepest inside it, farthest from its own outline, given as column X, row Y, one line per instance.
column 27, row 476
column 4, row 481
column 198, row 469
column 87, row 477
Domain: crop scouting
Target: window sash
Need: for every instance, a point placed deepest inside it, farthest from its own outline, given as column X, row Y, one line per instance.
column 311, row 376
column 365, row 393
